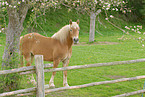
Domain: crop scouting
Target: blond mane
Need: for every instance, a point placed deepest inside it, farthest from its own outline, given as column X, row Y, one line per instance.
column 62, row 34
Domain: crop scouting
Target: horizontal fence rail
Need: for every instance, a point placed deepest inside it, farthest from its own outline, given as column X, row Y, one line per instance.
column 94, row 65
column 29, row 69
column 131, row 93
column 96, row 83
column 22, row 91
column 18, row 92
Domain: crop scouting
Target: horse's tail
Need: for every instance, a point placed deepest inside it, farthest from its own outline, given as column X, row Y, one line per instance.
column 20, row 52
column 21, row 44
column 21, row 37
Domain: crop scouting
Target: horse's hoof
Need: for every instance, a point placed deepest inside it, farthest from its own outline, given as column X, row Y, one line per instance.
column 51, row 86
column 66, row 85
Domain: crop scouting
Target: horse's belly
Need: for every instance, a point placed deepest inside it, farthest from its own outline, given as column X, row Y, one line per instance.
column 47, row 53
column 48, row 59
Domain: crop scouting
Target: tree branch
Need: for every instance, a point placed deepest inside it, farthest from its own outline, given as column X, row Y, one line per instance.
column 98, row 11
column 23, row 8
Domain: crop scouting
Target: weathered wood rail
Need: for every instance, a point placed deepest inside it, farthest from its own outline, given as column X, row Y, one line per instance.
column 40, row 68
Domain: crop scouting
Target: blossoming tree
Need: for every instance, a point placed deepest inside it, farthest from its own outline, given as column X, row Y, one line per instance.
column 95, row 7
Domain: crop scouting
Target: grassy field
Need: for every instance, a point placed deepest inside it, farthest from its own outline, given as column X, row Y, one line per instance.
column 106, row 48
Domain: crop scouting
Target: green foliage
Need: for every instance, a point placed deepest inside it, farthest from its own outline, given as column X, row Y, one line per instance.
column 9, row 82
column 54, row 20
column 138, row 10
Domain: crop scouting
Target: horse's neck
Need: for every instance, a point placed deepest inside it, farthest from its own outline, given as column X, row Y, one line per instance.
column 69, row 42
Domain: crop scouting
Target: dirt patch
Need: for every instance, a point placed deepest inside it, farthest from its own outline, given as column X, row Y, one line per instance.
column 115, row 76
column 96, row 43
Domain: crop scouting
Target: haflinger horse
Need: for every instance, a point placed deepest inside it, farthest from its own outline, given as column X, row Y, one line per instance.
column 57, row 48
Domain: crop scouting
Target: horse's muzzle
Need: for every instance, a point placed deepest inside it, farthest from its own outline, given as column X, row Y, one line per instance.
column 76, row 40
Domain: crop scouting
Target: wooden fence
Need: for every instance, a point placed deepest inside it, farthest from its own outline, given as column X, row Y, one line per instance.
column 41, row 89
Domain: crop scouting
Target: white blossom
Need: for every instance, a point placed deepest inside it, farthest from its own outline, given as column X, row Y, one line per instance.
column 111, row 16
column 124, row 11
column 3, row 28
column 107, row 8
column 132, row 29
column 19, row 2
column 139, row 32
column 116, row 9
column 6, row 3
column 127, row 27
column 139, row 26
column 113, row 8
column 10, row 5
column 106, row 18
column 3, row 3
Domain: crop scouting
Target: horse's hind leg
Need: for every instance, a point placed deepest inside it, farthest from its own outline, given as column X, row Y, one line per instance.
column 28, row 58
column 51, row 82
column 32, row 77
column 32, row 57
column 65, row 64
column 21, row 61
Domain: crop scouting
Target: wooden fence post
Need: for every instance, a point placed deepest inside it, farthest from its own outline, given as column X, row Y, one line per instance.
column 40, row 92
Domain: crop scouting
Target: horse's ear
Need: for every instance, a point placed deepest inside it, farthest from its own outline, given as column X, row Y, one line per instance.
column 70, row 22
column 78, row 21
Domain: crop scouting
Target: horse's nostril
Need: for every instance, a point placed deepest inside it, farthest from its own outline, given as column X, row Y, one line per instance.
column 76, row 39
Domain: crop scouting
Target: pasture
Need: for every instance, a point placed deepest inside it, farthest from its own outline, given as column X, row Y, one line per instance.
column 105, row 49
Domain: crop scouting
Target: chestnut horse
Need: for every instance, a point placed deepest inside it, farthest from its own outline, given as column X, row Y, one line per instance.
column 57, row 48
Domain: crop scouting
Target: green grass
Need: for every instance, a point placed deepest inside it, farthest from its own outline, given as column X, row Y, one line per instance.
column 2, row 43
column 92, row 53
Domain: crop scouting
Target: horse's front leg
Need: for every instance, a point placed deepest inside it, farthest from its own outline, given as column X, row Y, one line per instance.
column 65, row 64
column 51, row 82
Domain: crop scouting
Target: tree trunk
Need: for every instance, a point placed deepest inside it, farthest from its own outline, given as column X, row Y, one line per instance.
column 12, row 40
column 92, row 26
column 11, row 51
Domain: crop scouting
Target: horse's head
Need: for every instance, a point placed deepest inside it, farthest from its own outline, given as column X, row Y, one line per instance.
column 74, row 31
